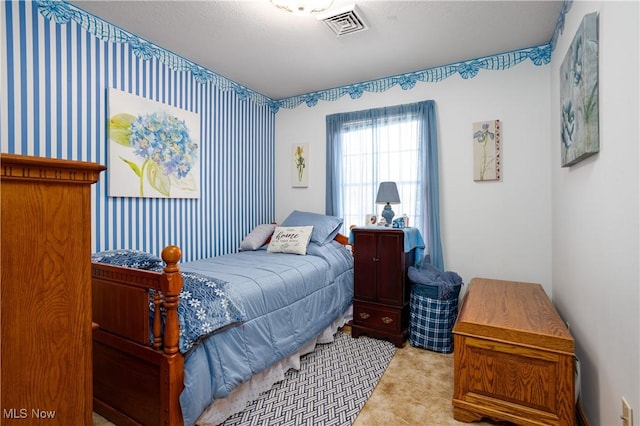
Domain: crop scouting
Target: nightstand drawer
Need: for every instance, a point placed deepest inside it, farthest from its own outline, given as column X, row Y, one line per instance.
column 376, row 316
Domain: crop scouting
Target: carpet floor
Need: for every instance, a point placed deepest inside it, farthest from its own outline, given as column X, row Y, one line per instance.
column 415, row 389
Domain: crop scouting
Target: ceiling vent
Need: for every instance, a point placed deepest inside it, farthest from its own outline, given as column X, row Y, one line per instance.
column 343, row 21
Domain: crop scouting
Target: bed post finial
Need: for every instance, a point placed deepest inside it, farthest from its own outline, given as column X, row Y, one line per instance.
column 171, row 287
column 171, row 255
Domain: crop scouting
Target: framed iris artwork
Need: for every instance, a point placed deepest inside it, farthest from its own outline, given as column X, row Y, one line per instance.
column 299, row 172
column 154, row 148
column 579, row 134
column 486, row 150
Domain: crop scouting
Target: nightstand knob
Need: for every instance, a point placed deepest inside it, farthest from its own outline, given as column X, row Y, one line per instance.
column 387, row 320
column 375, row 259
column 364, row 315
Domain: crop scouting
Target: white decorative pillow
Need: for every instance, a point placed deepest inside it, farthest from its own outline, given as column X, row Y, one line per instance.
column 290, row 239
column 257, row 237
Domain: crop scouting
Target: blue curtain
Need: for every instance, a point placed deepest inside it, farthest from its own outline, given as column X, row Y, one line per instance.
column 428, row 197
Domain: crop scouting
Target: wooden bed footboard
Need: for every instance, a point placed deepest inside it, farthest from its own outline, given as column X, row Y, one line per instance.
column 136, row 381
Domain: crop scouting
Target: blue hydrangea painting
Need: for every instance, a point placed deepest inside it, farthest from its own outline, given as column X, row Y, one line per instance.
column 153, row 149
column 579, row 109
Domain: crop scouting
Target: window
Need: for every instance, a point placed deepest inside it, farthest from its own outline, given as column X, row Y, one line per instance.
column 371, row 154
column 395, row 144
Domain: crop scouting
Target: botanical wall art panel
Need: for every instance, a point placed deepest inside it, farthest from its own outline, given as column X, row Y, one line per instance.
column 486, row 150
column 579, row 94
column 153, row 148
column 300, row 174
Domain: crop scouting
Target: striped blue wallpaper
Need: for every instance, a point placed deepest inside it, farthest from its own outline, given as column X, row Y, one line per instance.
column 53, row 103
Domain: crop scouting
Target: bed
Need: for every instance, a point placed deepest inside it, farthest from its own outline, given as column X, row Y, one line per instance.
column 154, row 364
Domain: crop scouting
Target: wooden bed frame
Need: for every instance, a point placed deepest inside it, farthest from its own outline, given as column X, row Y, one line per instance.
column 135, row 382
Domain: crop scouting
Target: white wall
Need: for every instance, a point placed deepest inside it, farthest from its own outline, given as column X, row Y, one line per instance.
column 575, row 230
column 490, row 229
column 595, row 220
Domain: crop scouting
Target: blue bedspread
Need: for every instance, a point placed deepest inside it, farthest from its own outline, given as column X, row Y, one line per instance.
column 286, row 299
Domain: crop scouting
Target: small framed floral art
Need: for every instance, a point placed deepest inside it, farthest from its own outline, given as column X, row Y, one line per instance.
column 299, row 171
column 154, row 148
column 486, row 150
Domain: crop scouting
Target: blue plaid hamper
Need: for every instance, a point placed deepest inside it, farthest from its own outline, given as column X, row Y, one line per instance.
column 432, row 321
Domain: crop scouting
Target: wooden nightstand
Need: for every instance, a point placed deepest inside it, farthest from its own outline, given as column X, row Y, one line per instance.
column 381, row 286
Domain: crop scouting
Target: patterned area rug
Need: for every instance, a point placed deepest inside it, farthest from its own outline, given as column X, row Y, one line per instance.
column 331, row 387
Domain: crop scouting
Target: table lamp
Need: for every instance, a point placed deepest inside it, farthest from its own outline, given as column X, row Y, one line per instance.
column 388, row 194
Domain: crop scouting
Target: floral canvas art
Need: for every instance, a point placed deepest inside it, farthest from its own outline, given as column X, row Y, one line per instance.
column 153, row 148
column 300, row 158
column 486, row 150
column 579, row 131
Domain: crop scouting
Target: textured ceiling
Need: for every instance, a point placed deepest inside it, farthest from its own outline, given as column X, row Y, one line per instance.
column 280, row 55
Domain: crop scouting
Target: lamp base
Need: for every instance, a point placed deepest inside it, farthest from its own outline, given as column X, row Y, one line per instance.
column 388, row 214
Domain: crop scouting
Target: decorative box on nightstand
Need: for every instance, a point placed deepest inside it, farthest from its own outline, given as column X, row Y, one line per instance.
column 382, row 257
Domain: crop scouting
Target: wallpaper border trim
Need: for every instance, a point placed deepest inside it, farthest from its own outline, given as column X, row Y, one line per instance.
column 62, row 12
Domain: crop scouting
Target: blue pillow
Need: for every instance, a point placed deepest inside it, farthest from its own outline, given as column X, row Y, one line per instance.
column 129, row 258
column 325, row 228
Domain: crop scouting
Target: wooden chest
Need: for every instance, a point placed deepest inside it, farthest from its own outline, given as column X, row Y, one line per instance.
column 513, row 356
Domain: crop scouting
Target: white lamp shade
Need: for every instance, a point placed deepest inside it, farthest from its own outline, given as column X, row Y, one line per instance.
column 388, row 193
